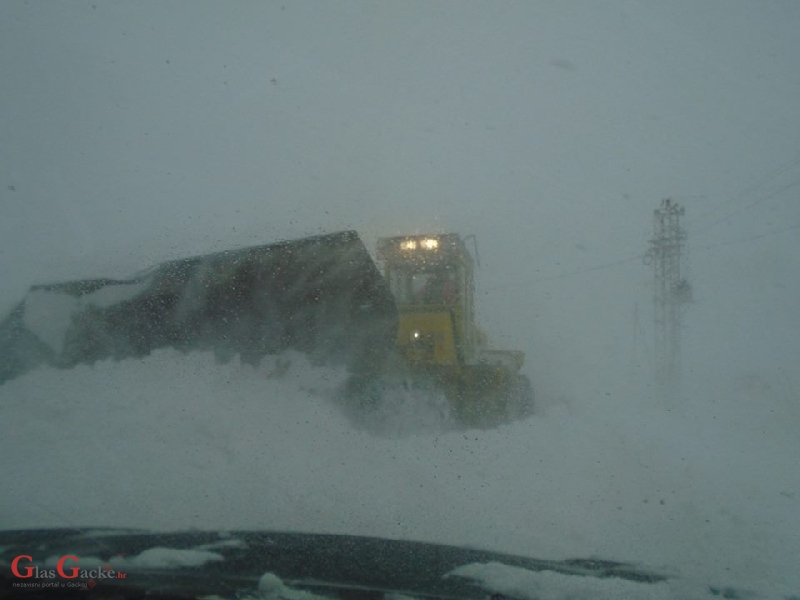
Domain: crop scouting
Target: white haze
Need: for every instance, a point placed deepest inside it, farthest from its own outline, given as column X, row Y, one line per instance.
column 176, row 442
column 136, row 132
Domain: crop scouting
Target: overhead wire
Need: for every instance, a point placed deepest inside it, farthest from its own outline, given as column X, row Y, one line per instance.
column 631, row 258
column 610, row 265
column 752, row 237
column 641, row 256
column 749, row 206
column 780, row 170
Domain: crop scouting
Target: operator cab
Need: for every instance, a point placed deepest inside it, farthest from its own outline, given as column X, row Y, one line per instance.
column 431, row 278
column 429, row 286
column 427, row 269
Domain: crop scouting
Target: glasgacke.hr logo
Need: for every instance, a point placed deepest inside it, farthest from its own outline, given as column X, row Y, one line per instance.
column 67, row 567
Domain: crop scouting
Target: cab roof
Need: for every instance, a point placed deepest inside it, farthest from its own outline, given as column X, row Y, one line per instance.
column 424, row 249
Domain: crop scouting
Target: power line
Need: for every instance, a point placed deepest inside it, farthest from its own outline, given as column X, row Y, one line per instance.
column 631, row 258
column 749, row 206
column 610, row 265
column 752, row 237
column 753, row 187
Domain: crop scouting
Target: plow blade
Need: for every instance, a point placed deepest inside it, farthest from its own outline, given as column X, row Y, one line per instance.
column 321, row 295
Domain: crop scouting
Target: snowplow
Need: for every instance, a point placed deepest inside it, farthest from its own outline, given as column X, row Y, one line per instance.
column 438, row 344
column 412, row 325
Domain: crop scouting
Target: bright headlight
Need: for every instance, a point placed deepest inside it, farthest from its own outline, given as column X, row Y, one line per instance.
column 408, row 245
column 430, row 243
column 416, row 335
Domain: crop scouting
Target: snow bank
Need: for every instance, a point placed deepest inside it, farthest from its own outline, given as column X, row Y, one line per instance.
column 707, row 488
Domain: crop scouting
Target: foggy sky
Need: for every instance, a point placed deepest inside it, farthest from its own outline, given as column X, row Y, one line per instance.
column 136, row 132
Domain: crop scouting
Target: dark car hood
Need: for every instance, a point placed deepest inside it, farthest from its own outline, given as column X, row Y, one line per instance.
column 236, row 564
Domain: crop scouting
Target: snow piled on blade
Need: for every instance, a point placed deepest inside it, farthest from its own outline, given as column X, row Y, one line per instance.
column 707, row 488
column 401, row 409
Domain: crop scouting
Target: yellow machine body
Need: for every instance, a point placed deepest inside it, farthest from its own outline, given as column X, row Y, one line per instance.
column 432, row 280
column 427, row 336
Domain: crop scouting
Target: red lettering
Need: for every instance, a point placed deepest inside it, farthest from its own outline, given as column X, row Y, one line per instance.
column 15, row 570
column 60, row 567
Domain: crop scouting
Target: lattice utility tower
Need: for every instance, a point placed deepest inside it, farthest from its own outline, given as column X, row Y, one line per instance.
column 671, row 291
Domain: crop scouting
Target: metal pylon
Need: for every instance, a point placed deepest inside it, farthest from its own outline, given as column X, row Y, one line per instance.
column 671, row 291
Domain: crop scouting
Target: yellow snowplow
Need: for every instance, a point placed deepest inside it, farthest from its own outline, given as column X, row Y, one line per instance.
column 322, row 295
column 432, row 280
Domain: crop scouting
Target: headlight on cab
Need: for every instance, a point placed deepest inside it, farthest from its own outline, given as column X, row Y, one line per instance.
column 430, row 244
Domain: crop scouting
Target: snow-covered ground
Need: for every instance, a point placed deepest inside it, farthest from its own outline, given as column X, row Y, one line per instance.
column 705, row 487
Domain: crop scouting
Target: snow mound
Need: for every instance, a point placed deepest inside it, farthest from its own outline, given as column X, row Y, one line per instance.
column 176, row 441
